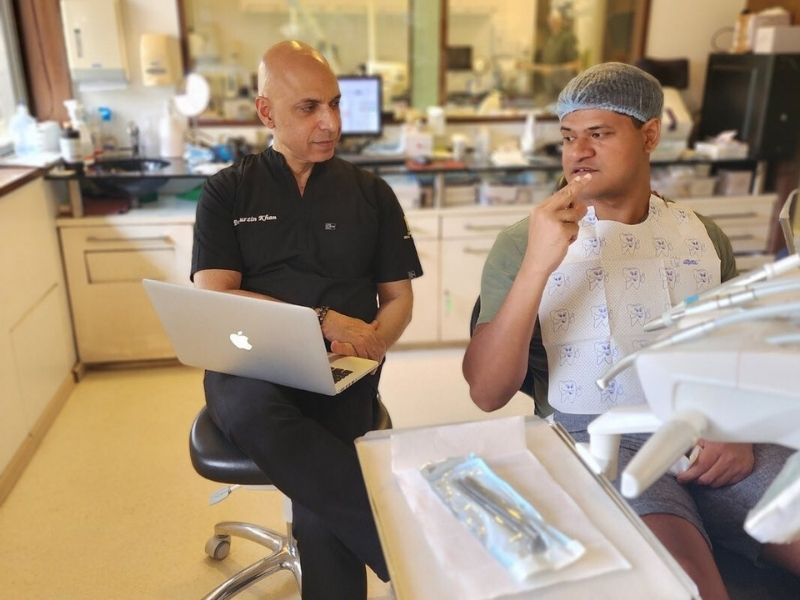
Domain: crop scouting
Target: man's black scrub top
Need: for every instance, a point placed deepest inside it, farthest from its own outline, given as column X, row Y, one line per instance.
column 330, row 246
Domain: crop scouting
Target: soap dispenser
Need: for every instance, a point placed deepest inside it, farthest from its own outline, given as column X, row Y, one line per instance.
column 171, row 132
column 77, row 122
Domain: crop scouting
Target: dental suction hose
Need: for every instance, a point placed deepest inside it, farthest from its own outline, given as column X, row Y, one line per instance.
column 765, row 312
column 766, row 272
column 747, row 294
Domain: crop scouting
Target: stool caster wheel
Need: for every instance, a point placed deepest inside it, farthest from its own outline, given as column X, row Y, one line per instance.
column 218, row 546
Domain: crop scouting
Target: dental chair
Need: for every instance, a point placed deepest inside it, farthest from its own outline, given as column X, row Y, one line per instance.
column 727, row 371
column 217, row 459
column 743, row 580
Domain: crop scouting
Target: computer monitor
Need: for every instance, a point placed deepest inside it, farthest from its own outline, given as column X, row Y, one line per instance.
column 360, row 106
column 459, row 58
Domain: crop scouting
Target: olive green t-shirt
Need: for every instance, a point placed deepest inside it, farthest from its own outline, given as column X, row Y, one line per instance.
column 501, row 269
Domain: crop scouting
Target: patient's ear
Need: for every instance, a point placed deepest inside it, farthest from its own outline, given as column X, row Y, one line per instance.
column 651, row 133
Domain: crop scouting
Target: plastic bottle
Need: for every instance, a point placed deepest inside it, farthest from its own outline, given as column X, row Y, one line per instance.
column 483, row 144
column 171, row 131
column 527, row 142
column 105, row 138
column 21, row 127
column 70, row 143
column 78, row 123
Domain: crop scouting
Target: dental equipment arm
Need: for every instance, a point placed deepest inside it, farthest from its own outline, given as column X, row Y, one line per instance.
column 732, row 378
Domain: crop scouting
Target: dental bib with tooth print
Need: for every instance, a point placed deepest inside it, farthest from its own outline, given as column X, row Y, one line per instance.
column 614, row 279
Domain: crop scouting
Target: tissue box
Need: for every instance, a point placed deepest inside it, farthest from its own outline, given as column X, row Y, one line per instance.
column 722, row 150
column 777, row 40
column 734, row 183
column 702, row 186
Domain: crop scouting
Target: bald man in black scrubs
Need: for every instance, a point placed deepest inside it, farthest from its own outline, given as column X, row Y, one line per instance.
column 296, row 224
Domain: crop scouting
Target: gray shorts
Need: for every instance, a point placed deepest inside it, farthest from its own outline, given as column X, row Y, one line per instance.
column 718, row 513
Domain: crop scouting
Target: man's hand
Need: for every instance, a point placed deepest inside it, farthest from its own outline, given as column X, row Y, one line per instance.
column 353, row 337
column 554, row 226
column 719, row 464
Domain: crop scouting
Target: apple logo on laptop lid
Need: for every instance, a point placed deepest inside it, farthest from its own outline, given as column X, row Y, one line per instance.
column 240, row 340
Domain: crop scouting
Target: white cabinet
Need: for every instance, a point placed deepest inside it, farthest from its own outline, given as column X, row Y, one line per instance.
column 36, row 345
column 105, row 265
column 466, row 241
column 424, row 326
column 746, row 220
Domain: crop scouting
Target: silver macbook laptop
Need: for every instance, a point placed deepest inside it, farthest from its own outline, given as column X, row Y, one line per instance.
column 273, row 341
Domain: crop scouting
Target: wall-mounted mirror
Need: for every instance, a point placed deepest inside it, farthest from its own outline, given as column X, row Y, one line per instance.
column 519, row 54
column 225, row 41
column 496, row 57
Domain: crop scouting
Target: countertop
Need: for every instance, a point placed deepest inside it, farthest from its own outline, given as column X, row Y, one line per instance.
column 13, row 177
column 177, row 168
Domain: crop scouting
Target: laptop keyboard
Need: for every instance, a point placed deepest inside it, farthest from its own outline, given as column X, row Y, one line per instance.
column 339, row 374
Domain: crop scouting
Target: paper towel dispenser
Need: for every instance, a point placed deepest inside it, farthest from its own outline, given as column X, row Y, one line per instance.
column 95, row 42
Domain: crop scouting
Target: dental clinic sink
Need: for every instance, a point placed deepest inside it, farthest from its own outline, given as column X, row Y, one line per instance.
column 124, row 177
column 127, row 165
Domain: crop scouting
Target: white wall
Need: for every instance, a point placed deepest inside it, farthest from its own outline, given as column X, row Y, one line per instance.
column 685, row 28
column 137, row 103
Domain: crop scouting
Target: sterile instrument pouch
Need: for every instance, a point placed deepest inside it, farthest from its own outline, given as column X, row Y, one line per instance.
column 504, row 522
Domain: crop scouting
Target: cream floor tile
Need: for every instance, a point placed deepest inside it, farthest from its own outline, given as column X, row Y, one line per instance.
column 111, row 508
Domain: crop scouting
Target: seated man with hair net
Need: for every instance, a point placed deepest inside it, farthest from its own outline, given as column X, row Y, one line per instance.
column 582, row 275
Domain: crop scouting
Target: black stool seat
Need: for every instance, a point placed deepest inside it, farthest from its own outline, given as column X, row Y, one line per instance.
column 217, row 459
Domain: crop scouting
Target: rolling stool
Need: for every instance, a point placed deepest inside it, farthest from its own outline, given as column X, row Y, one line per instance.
column 215, row 458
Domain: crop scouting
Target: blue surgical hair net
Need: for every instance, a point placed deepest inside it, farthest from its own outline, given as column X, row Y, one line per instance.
column 613, row 86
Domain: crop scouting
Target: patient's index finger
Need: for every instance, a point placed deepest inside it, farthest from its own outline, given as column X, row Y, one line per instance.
column 568, row 194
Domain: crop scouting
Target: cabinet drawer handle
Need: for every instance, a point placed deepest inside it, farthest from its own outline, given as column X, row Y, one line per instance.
column 154, row 238
column 743, row 215
column 493, row 227
column 475, row 251
column 741, row 236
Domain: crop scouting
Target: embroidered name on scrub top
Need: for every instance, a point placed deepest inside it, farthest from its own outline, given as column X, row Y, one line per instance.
column 614, row 279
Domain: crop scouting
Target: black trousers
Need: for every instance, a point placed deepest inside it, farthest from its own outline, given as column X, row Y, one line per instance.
column 304, row 443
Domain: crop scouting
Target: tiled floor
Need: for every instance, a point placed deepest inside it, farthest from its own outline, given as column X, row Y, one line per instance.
column 111, row 509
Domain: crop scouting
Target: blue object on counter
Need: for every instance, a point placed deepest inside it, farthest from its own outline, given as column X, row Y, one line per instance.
column 194, row 154
column 222, row 152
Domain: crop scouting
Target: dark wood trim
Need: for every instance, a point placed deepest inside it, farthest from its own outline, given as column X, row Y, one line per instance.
column 410, row 49
column 188, row 67
column 444, row 14
column 640, row 30
column 45, row 57
column 12, row 178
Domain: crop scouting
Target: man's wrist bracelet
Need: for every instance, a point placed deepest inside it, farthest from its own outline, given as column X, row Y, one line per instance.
column 322, row 312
